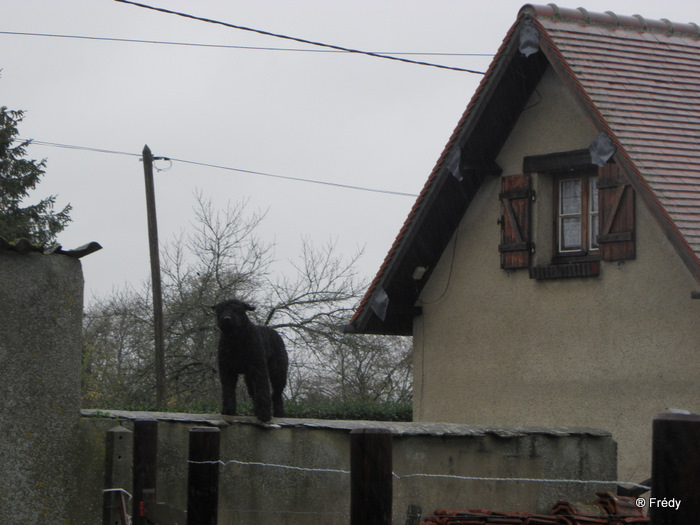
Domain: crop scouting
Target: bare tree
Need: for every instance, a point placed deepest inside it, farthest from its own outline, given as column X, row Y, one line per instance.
column 331, row 365
column 116, row 336
column 368, row 368
column 224, row 258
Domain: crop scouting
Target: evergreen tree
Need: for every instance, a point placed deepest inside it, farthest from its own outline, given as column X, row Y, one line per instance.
column 38, row 223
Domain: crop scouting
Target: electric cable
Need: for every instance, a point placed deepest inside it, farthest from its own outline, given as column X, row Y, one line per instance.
column 227, row 168
column 83, row 148
column 297, row 39
column 296, row 179
column 231, row 46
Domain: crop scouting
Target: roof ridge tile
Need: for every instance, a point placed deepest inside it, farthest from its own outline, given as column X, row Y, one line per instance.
column 614, row 17
column 611, row 19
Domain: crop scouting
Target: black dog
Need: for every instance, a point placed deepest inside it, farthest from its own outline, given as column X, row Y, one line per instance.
column 255, row 351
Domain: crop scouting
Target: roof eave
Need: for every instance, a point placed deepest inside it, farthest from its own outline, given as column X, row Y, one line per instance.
column 399, row 322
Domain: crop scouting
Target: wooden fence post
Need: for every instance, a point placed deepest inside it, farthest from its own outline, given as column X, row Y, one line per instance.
column 675, row 470
column 203, row 476
column 145, row 465
column 370, row 477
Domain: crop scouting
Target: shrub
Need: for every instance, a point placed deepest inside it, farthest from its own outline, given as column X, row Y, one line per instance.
column 357, row 409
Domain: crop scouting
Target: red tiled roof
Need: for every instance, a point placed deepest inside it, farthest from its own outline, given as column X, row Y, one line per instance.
column 637, row 79
column 643, row 78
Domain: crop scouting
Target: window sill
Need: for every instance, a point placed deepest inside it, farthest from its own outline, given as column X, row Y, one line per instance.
column 576, row 258
column 590, row 268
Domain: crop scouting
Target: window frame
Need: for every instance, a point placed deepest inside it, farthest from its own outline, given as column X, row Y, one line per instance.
column 589, row 249
column 616, row 235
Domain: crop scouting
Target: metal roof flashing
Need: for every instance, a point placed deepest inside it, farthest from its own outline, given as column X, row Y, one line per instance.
column 23, row 246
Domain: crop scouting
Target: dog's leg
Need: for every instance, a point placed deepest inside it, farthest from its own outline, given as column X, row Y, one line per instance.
column 277, row 403
column 278, row 380
column 278, row 366
column 260, row 383
column 249, row 386
column 228, row 394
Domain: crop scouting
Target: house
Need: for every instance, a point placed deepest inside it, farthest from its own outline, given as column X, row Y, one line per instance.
column 549, row 271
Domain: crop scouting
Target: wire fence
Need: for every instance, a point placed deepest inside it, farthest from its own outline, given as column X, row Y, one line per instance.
column 434, row 476
column 371, row 477
column 408, row 515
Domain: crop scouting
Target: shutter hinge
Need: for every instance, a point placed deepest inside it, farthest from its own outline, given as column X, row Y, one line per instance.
column 533, row 195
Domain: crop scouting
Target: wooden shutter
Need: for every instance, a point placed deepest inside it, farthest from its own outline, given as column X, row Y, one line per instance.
column 515, row 247
column 616, row 204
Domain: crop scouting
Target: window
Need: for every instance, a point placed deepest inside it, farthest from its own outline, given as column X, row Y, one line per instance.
column 576, row 203
column 562, row 216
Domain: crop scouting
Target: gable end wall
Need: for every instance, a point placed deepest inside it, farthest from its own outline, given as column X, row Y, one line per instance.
column 496, row 347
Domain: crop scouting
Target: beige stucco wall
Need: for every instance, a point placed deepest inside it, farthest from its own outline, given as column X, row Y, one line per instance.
column 496, row 347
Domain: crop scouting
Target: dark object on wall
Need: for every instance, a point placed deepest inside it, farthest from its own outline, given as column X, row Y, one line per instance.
column 371, row 488
column 203, row 476
column 145, row 471
column 675, row 464
column 255, row 351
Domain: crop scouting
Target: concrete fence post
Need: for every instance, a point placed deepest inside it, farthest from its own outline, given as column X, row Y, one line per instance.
column 370, row 477
column 118, row 462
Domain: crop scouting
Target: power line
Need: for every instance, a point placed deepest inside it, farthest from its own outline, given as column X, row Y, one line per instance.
column 296, row 179
column 297, row 39
column 83, row 148
column 230, row 46
column 228, row 168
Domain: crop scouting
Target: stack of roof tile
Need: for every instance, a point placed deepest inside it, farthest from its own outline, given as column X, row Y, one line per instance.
column 608, row 509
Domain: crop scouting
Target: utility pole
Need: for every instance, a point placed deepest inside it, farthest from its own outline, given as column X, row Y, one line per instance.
column 155, row 276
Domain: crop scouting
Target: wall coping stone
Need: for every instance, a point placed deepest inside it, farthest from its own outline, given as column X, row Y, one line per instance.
column 396, row 428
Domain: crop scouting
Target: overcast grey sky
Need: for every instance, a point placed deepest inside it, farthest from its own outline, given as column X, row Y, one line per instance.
column 335, row 117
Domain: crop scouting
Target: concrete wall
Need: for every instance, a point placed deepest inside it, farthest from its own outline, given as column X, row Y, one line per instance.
column 495, row 347
column 266, row 494
column 41, row 304
column 53, row 461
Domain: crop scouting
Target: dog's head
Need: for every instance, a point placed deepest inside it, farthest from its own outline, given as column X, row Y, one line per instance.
column 232, row 314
